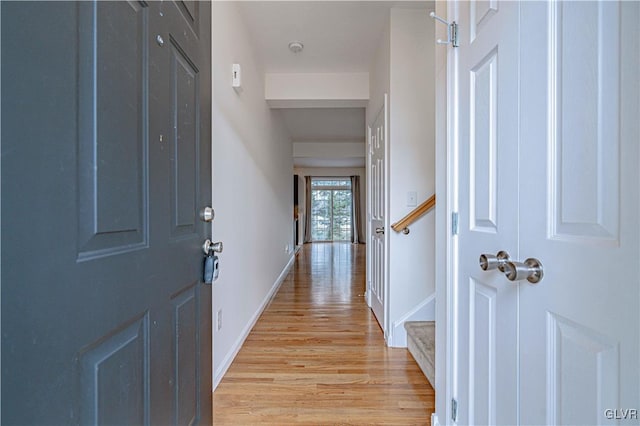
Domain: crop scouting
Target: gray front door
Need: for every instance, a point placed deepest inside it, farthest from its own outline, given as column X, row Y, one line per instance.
column 106, row 158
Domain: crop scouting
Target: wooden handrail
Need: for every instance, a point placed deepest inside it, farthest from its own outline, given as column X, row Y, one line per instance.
column 415, row 214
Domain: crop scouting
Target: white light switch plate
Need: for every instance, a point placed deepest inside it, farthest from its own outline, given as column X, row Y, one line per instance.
column 412, row 199
column 236, row 78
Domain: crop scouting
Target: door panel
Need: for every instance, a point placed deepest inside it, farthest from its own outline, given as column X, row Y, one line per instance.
column 486, row 387
column 580, row 216
column 569, row 155
column 191, row 12
column 184, row 137
column 105, row 319
column 112, row 78
column 378, row 246
column 482, row 351
column 583, row 104
column 482, row 144
column 480, row 12
column 114, row 376
column 186, row 355
column 582, row 370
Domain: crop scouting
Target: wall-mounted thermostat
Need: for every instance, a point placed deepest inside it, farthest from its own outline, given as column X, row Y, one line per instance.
column 236, row 80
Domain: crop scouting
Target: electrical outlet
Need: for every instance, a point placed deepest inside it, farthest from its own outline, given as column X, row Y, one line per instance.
column 219, row 322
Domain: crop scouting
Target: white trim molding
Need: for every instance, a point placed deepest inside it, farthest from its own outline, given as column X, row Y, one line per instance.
column 424, row 311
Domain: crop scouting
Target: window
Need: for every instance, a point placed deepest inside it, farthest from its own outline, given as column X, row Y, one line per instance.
column 331, row 209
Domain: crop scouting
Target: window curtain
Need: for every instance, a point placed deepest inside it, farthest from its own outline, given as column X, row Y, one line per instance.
column 307, row 209
column 356, row 229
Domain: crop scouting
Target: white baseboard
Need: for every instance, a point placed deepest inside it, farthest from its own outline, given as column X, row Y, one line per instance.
column 226, row 363
column 434, row 420
column 424, row 311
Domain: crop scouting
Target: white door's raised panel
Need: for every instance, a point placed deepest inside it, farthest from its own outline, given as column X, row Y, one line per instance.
column 374, row 189
column 582, row 372
column 483, row 144
column 583, row 125
column 380, row 186
column 481, row 13
column 482, row 352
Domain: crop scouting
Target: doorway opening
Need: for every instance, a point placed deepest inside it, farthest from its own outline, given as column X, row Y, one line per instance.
column 331, row 209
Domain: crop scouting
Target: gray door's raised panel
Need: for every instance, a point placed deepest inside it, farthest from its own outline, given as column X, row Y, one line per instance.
column 191, row 11
column 112, row 128
column 186, row 356
column 114, row 377
column 185, row 140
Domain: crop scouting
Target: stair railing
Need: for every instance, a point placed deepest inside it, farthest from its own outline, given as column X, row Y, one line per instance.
column 403, row 224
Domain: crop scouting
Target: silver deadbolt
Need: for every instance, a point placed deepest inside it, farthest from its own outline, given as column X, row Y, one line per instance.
column 380, row 230
column 159, row 40
column 489, row 261
column 530, row 270
column 207, row 214
column 209, row 246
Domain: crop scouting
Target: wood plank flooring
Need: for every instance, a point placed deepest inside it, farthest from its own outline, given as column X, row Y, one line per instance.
column 317, row 355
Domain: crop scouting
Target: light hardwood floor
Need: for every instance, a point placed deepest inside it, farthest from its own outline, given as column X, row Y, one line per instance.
column 317, row 355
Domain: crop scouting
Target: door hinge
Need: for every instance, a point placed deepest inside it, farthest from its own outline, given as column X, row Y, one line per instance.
column 454, row 223
column 453, row 28
column 454, row 410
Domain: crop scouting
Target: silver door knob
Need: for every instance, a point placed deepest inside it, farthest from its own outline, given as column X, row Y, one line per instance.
column 209, row 246
column 380, row 230
column 530, row 270
column 207, row 214
column 489, row 261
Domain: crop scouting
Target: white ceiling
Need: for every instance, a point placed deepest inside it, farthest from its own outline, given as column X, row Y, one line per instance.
column 338, row 36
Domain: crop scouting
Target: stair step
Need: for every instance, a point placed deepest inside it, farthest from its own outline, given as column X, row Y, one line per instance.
column 421, row 343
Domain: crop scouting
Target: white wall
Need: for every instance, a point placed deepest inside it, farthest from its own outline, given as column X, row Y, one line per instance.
column 412, row 135
column 328, row 149
column 335, row 171
column 379, row 76
column 252, row 188
column 308, row 90
column 404, row 67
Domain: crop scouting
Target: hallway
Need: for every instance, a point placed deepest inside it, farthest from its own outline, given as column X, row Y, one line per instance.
column 317, row 354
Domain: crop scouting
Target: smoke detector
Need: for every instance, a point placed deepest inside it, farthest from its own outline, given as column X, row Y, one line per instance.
column 296, row 46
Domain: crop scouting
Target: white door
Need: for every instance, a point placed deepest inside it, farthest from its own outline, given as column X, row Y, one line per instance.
column 548, row 169
column 379, row 217
column 579, row 327
column 488, row 184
